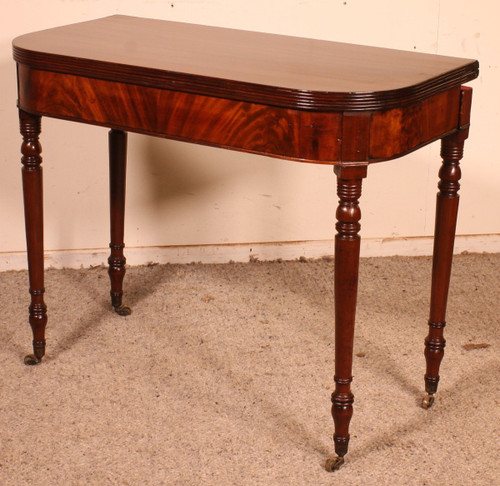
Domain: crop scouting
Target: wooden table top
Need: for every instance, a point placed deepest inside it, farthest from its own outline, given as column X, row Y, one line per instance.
column 271, row 69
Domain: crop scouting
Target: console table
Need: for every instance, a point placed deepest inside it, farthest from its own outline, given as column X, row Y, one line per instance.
column 299, row 99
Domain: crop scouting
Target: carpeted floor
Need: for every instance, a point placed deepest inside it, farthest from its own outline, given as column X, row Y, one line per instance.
column 222, row 375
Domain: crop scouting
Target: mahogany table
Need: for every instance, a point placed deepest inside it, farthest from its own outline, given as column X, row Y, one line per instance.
column 292, row 98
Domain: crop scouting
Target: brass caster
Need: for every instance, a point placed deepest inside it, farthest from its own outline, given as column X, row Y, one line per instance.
column 123, row 310
column 31, row 360
column 427, row 401
column 334, row 463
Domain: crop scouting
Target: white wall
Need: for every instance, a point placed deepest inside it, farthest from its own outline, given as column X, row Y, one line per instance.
column 180, row 194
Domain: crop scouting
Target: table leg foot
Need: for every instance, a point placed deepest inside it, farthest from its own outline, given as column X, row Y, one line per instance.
column 123, row 310
column 38, row 353
column 428, row 401
column 334, row 463
column 31, row 360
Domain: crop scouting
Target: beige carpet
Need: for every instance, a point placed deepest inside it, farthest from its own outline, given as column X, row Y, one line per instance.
column 223, row 374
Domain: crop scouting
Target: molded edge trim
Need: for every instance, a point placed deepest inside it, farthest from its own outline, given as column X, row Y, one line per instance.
column 242, row 91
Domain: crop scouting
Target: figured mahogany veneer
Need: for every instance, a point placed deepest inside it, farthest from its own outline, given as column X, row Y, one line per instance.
column 268, row 94
column 245, row 66
column 298, row 99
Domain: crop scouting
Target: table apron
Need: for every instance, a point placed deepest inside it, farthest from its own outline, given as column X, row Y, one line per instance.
column 319, row 137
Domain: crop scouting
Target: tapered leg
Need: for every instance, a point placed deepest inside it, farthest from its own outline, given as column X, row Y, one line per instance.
column 30, row 127
column 117, row 178
column 444, row 237
column 347, row 243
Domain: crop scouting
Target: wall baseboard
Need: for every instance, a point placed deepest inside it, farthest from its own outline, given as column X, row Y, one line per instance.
column 370, row 247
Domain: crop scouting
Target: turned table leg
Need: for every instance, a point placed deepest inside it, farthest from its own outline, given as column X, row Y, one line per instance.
column 117, row 178
column 347, row 244
column 446, row 218
column 30, row 127
column 452, row 148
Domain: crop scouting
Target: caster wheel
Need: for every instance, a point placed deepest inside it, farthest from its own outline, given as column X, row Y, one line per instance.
column 31, row 360
column 334, row 463
column 427, row 401
column 123, row 310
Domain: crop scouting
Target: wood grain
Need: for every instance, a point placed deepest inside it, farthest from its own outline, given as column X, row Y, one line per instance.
column 250, row 127
column 401, row 130
column 320, row 137
column 280, row 96
column 277, row 70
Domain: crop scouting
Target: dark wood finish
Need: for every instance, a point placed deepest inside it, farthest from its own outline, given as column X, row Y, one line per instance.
column 298, row 99
column 356, row 137
column 250, row 127
column 30, row 127
column 117, row 180
column 402, row 130
column 277, row 132
column 452, row 148
column 275, row 70
column 347, row 244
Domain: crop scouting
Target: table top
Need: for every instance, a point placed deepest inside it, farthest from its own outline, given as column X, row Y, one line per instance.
column 271, row 69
